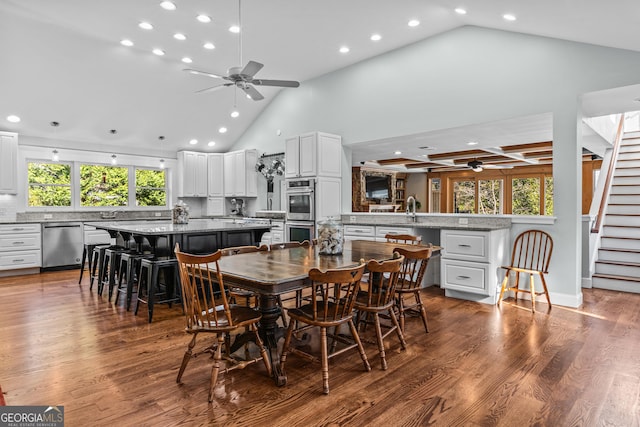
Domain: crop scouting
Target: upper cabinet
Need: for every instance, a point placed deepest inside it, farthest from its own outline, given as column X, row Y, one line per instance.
column 240, row 177
column 8, row 163
column 313, row 154
column 192, row 174
column 215, row 175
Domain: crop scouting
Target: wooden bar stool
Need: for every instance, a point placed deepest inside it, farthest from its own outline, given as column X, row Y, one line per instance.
column 150, row 290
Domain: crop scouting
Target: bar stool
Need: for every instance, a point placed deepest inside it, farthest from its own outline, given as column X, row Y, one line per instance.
column 129, row 266
column 97, row 265
column 109, row 268
column 87, row 255
column 148, row 281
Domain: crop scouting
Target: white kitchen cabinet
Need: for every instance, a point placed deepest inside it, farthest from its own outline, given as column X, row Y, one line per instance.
column 470, row 263
column 277, row 231
column 240, row 176
column 313, row 154
column 383, row 230
column 192, row 174
column 359, row 232
column 20, row 247
column 8, row 163
column 328, row 198
column 215, row 175
column 215, row 206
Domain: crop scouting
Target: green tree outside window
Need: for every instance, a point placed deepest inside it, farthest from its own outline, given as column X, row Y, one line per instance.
column 49, row 184
column 150, row 188
column 104, row 186
column 525, row 196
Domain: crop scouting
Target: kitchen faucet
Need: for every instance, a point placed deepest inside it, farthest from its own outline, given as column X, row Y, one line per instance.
column 411, row 200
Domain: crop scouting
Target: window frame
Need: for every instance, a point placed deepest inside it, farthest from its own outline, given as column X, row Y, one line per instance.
column 28, row 184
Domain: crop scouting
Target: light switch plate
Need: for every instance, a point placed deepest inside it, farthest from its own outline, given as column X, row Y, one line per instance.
column 352, row 218
column 157, row 214
column 48, row 216
column 463, row 221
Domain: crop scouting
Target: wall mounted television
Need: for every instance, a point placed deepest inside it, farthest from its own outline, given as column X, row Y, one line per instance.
column 377, row 187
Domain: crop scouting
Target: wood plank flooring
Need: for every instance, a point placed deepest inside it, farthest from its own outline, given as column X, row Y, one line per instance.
column 480, row 365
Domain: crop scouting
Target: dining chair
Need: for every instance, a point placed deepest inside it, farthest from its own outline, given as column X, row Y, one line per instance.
column 409, row 282
column 378, row 298
column 403, row 238
column 207, row 310
column 332, row 304
column 531, row 255
column 235, row 294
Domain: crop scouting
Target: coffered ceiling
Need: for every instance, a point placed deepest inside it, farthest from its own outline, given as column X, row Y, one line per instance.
column 63, row 61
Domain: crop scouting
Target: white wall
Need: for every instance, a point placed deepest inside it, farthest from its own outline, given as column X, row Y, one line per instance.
column 465, row 76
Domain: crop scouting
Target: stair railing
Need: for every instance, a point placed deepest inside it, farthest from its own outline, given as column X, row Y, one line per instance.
column 607, row 184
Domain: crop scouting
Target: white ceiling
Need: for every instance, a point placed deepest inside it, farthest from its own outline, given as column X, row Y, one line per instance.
column 62, row 60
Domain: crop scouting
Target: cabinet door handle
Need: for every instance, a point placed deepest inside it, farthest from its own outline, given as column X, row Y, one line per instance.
column 464, row 246
column 18, row 260
column 18, row 243
column 463, row 277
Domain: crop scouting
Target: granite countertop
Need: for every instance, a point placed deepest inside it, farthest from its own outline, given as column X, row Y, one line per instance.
column 430, row 221
column 168, row 227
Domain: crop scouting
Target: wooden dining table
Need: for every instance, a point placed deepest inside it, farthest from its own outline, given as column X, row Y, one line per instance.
column 280, row 271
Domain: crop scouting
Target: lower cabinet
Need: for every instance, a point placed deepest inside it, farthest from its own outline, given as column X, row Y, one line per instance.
column 20, row 247
column 470, row 263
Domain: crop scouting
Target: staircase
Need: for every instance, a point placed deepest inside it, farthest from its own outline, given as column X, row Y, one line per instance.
column 618, row 263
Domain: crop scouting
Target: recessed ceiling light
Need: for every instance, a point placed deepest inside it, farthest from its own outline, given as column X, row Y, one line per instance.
column 249, row 96
column 187, row 60
column 158, row 52
column 222, row 130
column 126, row 42
column 203, row 18
column 234, row 29
column 344, row 49
column 179, row 36
column 460, row 11
column 472, row 143
column 167, row 5
column 398, row 153
column 193, row 141
column 13, row 118
column 209, row 45
column 145, row 25
column 509, row 17
column 376, row 37
column 235, row 113
column 413, row 23
column 211, row 143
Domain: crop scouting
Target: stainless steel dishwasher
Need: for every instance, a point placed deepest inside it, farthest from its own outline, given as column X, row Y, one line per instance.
column 61, row 244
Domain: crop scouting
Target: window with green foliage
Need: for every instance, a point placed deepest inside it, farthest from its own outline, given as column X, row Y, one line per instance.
column 464, row 196
column 104, row 186
column 49, row 184
column 490, row 196
column 150, row 188
column 525, row 196
column 548, row 195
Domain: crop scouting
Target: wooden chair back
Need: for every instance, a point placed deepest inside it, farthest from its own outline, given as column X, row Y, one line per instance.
column 532, row 251
column 204, row 298
column 413, row 268
column 239, row 250
column 285, row 245
column 383, row 279
column 407, row 239
column 334, row 293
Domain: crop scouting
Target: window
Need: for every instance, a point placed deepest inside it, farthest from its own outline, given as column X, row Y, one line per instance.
column 548, row 195
column 150, row 188
column 490, row 196
column 525, row 196
column 49, row 184
column 464, row 196
column 104, row 186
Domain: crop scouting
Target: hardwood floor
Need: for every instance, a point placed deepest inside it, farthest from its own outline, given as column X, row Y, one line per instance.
column 61, row 344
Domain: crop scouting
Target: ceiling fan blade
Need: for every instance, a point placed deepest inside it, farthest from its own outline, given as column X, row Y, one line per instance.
column 497, row 167
column 281, row 83
column 203, row 73
column 212, row 88
column 251, row 68
column 252, row 92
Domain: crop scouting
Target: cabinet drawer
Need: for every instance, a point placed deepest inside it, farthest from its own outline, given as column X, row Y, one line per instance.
column 277, row 225
column 360, row 230
column 356, row 237
column 277, row 236
column 22, row 259
column 18, row 242
column 19, row 228
column 383, row 231
column 465, row 276
column 467, row 245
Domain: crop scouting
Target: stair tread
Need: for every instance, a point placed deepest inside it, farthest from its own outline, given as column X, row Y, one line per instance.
column 617, row 237
column 634, row 251
column 622, row 226
column 622, row 214
column 620, row 263
column 616, row 277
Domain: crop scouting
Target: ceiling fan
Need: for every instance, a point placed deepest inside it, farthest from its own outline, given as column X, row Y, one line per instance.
column 478, row 166
column 243, row 78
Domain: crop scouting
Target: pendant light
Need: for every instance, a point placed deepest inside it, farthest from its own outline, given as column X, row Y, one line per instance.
column 54, row 154
column 161, row 138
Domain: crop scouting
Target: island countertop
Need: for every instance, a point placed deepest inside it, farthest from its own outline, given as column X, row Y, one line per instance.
column 168, row 227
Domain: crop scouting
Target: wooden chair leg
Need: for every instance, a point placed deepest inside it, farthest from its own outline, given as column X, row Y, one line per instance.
column 423, row 311
column 394, row 319
column 263, row 350
column 546, row 291
column 401, row 311
column 383, row 358
column 505, row 281
column 532, row 288
column 187, row 357
column 215, row 370
column 356, row 337
column 285, row 345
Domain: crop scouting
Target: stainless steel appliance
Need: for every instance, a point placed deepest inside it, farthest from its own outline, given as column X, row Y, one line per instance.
column 61, row 244
column 300, row 203
column 299, row 231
